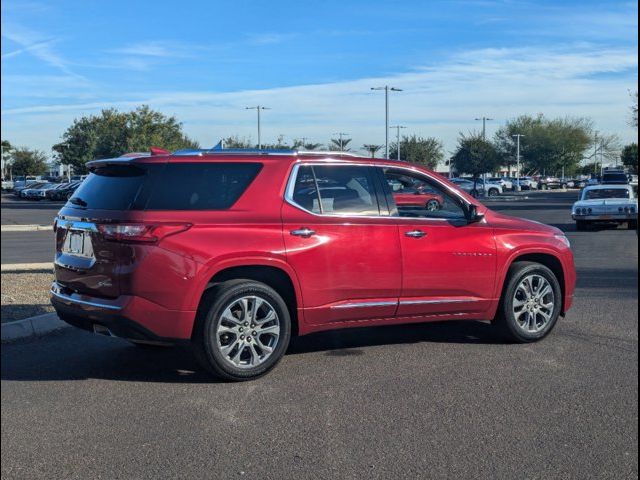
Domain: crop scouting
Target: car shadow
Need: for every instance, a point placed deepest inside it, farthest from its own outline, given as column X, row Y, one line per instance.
column 76, row 355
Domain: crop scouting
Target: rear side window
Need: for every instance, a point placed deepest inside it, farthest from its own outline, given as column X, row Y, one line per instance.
column 172, row 186
column 200, row 186
column 336, row 189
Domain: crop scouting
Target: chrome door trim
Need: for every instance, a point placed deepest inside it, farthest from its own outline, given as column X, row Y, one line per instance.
column 365, row 305
column 439, row 301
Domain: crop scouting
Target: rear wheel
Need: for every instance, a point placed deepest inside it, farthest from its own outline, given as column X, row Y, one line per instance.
column 494, row 192
column 531, row 303
column 243, row 330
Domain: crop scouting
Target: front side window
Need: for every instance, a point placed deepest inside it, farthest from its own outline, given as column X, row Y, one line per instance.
column 417, row 196
column 336, row 190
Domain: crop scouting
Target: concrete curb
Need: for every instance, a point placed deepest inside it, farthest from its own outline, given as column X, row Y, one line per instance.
column 26, row 228
column 25, row 267
column 31, row 327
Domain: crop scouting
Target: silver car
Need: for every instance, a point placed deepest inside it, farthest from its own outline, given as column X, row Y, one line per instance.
column 606, row 203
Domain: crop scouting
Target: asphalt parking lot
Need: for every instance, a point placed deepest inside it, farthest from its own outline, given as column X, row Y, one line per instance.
column 440, row 400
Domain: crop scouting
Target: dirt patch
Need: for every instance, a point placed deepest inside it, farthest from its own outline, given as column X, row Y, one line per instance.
column 25, row 294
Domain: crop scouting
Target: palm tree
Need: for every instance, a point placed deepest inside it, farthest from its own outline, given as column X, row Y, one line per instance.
column 372, row 149
column 339, row 144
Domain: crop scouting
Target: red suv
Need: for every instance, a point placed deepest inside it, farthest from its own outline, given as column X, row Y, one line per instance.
column 236, row 252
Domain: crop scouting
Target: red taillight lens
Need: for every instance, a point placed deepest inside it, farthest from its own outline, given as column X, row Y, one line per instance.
column 141, row 232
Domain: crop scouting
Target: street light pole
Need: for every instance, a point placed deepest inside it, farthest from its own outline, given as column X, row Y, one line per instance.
column 484, row 126
column 386, row 89
column 258, row 108
column 398, row 127
column 517, row 137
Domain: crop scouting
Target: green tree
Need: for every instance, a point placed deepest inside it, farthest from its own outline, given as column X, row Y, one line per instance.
column 629, row 157
column 28, row 162
column 634, row 110
column 305, row 146
column 113, row 133
column 475, row 156
column 372, row 149
column 547, row 145
column 427, row 151
column 235, row 141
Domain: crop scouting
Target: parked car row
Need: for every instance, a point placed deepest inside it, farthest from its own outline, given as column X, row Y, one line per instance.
column 47, row 190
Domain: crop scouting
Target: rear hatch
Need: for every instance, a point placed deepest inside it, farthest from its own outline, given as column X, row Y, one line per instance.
column 87, row 261
column 104, row 231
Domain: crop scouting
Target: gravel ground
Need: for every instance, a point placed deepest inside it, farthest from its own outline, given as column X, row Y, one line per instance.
column 25, row 294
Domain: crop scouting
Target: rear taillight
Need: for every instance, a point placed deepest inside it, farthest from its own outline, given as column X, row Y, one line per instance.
column 140, row 232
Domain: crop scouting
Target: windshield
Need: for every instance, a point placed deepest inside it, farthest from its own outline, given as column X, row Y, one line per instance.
column 606, row 193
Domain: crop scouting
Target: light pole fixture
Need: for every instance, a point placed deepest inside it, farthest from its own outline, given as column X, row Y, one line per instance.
column 258, row 108
column 386, row 89
column 398, row 127
column 484, row 125
column 517, row 137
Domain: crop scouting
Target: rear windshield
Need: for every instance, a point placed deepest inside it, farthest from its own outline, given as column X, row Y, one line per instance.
column 172, row 186
column 606, row 193
column 615, row 177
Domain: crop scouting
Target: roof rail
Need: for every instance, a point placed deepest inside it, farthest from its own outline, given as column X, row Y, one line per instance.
column 328, row 152
column 232, row 151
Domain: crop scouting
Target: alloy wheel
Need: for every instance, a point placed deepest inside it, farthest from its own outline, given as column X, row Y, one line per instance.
column 534, row 303
column 247, row 332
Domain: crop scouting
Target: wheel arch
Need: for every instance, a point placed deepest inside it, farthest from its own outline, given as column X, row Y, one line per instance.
column 546, row 258
column 274, row 275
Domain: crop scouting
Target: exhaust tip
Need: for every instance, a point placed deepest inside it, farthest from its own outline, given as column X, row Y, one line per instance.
column 102, row 330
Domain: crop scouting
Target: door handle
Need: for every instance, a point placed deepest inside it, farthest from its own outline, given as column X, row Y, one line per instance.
column 415, row 234
column 303, row 232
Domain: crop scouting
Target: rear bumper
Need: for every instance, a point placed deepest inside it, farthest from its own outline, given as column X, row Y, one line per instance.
column 609, row 218
column 129, row 317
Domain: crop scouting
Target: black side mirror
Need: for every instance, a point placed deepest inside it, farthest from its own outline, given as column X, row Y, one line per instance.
column 473, row 215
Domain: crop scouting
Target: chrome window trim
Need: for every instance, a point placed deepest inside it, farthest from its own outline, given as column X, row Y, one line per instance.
column 67, row 298
column 291, row 183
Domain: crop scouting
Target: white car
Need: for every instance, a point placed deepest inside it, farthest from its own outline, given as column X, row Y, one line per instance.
column 505, row 182
column 606, row 203
column 527, row 183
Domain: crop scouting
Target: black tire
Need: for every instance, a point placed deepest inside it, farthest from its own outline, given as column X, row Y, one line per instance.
column 563, row 186
column 632, row 225
column 213, row 304
column 505, row 320
column 494, row 192
column 474, row 193
column 544, row 187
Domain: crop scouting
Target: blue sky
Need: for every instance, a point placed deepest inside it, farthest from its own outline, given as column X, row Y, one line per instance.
column 313, row 63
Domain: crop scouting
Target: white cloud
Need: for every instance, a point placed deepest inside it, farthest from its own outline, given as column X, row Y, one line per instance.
column 439, row 100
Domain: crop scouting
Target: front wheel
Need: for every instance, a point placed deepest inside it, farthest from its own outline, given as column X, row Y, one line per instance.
column 243, row 330
column 494, row 192
column 531, row 303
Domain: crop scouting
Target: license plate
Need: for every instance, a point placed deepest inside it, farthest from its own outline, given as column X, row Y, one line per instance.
column 75, row 243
